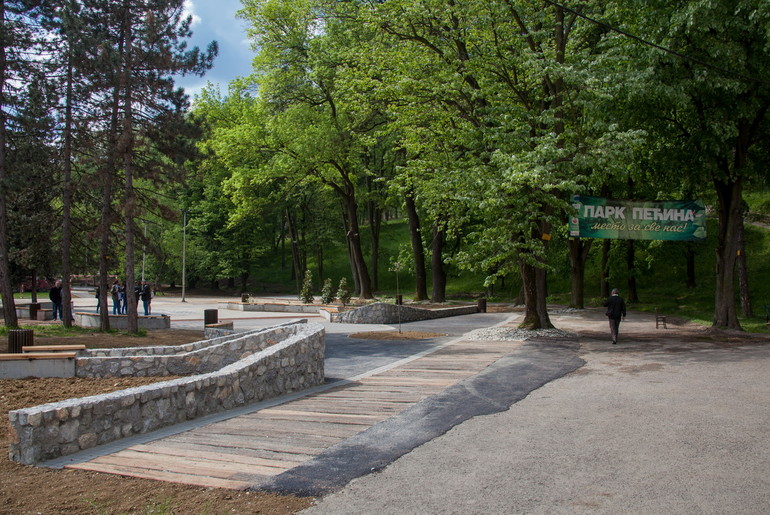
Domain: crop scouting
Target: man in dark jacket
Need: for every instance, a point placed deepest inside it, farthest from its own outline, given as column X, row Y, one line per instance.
column 616, row 309
column 55, row 296
column 145, row 292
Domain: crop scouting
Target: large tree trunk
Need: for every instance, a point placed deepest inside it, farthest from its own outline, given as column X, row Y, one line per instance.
column 296, row 266
column 578, row 255
column 418, row 253
column 351, row 259
column 375, row 223
column 533, row 286
column 66, row 237
column 743, row 273
column 127, row 148
column 354, row 237
column 6, row 289
column 605, row 271
column 729, row 195
column 633, row 295
column 104, row 245
column 33, row 293
column 690, row 265
column 437, row 264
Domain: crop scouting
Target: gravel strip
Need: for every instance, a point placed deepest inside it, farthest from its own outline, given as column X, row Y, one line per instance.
column 514, row 334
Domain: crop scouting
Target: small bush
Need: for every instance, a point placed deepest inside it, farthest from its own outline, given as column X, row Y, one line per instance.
column 343, row 292
column 306, row 293
column 327, row 293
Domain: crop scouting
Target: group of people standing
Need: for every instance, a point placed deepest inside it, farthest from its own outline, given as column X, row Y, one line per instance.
column 142, row 292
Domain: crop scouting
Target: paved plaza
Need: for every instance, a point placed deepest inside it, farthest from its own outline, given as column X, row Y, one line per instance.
column 669, row 420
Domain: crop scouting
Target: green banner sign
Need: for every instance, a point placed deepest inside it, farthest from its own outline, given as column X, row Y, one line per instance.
column 597, row 217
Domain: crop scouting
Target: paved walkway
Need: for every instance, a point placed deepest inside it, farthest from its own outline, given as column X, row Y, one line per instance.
column 251, row 449
column 668, row 421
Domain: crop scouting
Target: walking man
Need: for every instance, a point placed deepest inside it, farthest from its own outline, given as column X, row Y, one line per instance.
column 616, row 309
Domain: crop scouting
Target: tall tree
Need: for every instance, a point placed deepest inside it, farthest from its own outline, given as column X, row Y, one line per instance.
column 708, row 82
column 17, row 23
column 509, row 83
column 151, row 41
column 318, row 133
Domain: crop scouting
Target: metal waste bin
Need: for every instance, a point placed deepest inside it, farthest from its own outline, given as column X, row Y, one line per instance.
column 210, row 316
column 18, row 338
column 33, row 309
column 482, row 305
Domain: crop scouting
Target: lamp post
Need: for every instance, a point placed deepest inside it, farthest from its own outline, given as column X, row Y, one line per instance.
column 184, row 250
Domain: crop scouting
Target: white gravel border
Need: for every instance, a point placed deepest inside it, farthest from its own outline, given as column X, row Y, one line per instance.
column 514, row 334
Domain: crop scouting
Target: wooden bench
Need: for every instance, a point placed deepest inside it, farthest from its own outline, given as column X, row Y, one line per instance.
column 38, row 355
column 52, row 348
column 660, row 319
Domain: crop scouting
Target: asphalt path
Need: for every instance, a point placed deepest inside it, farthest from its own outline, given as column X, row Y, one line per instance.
column 665, row 422
column 345, row 356
column 656, row 424
column 495, row 389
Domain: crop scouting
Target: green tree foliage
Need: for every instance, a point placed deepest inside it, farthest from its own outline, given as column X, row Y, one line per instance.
column 496, row 97
column 704, row 102
column 18, row 23
column 319, row 131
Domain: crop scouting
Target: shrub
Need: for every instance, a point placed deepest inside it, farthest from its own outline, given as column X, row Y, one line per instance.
column 327, row 294
column 343, row 292
column 306, row 293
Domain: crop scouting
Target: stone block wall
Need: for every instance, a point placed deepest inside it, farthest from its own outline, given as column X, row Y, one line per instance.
column 382, row 313
column 219, row 329
column 149, row 322
column 193, row 358
column 58, row 429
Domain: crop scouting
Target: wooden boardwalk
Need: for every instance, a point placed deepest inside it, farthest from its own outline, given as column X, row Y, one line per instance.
column 248, row 450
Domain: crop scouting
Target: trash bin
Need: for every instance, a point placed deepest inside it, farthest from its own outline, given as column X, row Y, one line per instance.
column 33, row 309
column 400, row 300
column 18, row 338
column 210, row 316
column 482, row 305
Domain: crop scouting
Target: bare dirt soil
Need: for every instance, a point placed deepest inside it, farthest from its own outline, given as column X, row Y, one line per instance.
column 35, row 490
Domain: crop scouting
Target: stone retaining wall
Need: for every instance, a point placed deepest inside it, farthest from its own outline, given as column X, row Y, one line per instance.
column 218, row 329
column 270, row 307
column 58, row 429
column 149, row 322
column 382, row 313
column 170, row 360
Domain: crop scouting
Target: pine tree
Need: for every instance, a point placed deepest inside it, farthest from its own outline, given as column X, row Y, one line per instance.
column 17, row 19
column 153, row 49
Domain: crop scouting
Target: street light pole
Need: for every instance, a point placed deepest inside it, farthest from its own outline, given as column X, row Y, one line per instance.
column 184, row 250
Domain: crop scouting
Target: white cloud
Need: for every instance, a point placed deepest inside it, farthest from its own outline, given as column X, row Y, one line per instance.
column 189, row 10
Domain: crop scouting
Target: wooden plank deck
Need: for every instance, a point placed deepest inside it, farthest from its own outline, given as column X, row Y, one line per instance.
column 246, row 450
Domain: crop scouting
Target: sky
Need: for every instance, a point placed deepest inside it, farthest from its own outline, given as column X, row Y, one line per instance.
column 215, row 20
